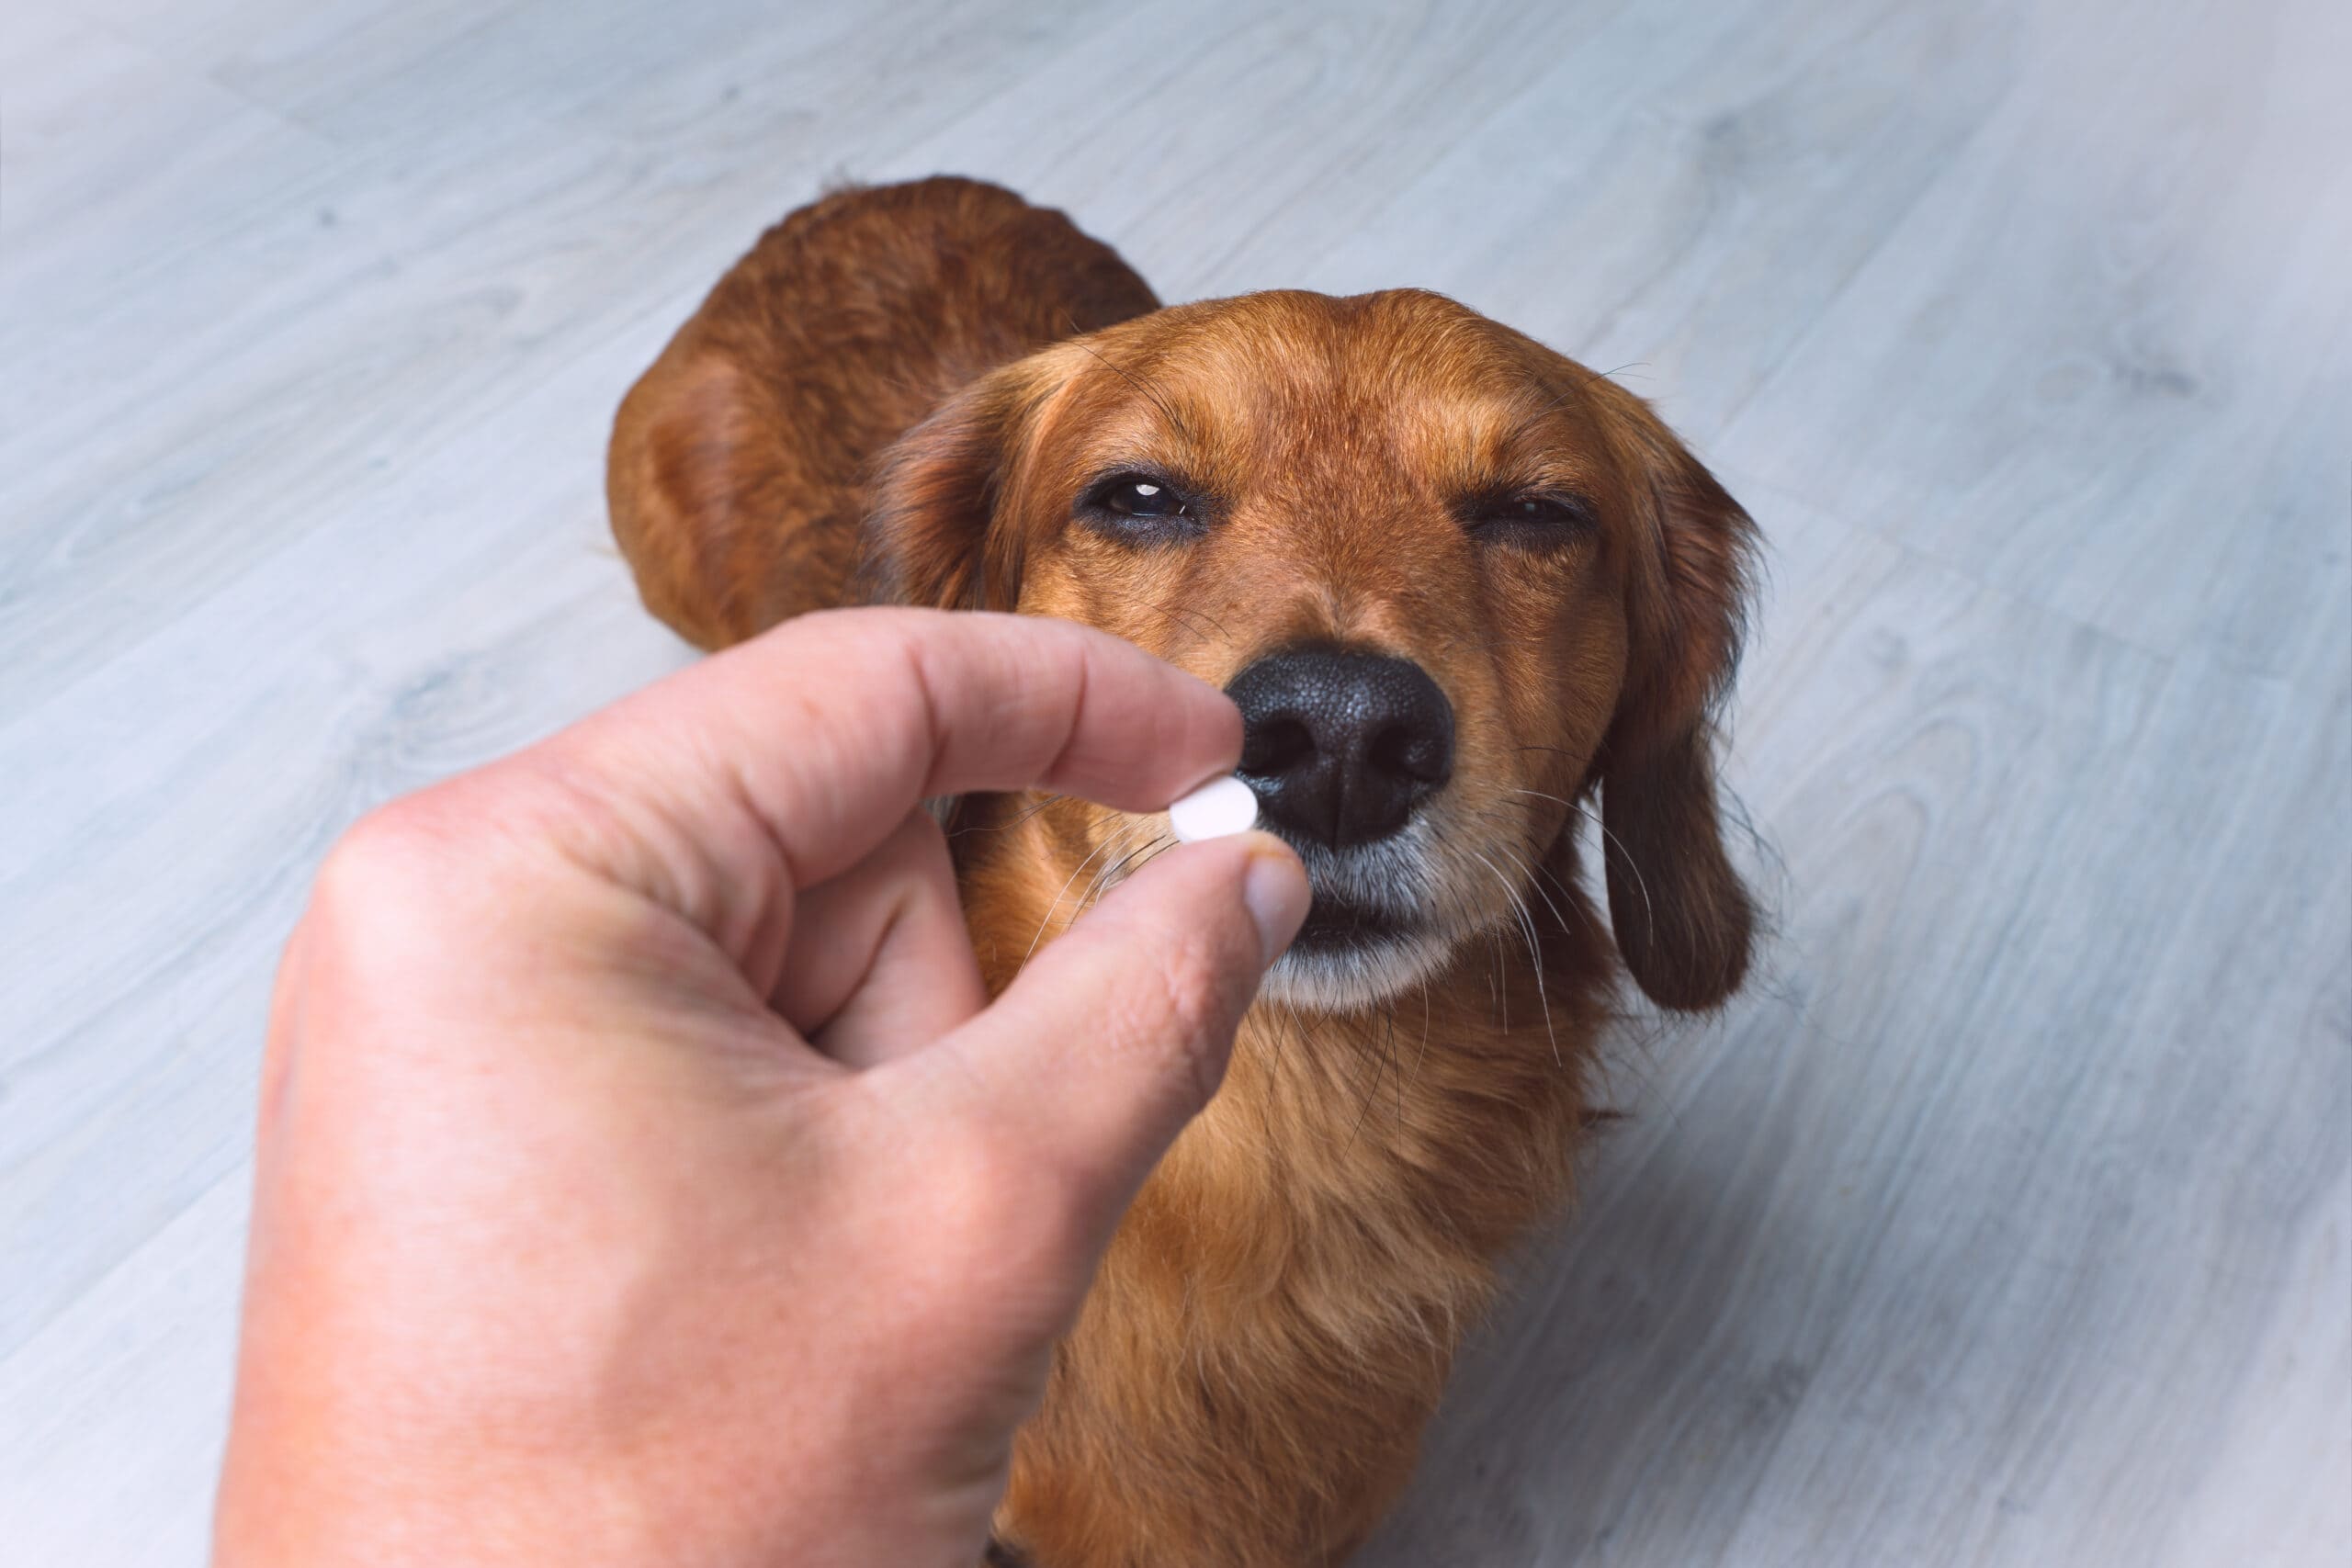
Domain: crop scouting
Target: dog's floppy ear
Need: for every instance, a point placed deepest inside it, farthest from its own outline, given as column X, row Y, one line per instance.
column 1683, row 919
column 696, row 479
column 932, row 535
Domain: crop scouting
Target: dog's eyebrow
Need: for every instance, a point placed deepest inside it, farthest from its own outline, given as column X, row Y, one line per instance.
column 1520, row 463
column 1504, row 448
column 1526, row 429
column 1157, row 400
column 1529, row 430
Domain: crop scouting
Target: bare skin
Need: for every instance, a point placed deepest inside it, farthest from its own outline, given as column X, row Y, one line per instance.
column 644, row 1175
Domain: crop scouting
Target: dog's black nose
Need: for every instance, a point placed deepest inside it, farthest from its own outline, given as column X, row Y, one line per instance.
column 1339, row 745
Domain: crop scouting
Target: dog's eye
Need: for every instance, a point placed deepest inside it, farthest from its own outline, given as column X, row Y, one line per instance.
column 1141, row 508
column 1132, row 496
column 1531, row 517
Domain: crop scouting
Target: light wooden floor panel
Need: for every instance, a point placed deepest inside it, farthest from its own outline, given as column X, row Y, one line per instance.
column 2006, row 1221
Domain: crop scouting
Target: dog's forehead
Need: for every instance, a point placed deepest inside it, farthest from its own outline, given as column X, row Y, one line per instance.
column 1290, row 379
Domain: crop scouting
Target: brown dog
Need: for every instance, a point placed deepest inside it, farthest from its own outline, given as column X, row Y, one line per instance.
column 1456, row 583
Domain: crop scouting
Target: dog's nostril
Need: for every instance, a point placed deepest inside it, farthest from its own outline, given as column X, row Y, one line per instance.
column 1411, row 752
column 1276, row 746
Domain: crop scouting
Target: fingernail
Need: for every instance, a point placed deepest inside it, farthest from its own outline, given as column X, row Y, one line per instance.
column 1274, row 889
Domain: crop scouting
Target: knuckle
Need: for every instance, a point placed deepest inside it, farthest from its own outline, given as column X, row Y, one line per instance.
column 407, row 876
column 463, row 832
column 377, row 853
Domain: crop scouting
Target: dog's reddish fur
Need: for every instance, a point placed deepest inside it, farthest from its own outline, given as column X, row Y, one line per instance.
column 897, row 395
column 738, row 463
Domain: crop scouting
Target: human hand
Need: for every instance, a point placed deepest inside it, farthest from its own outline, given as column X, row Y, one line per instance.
column 643, row 1174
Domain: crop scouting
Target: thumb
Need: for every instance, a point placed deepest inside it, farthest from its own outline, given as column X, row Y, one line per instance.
column 1117, row 1035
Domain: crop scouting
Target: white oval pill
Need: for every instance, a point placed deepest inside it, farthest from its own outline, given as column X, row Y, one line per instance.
column 1219, row 808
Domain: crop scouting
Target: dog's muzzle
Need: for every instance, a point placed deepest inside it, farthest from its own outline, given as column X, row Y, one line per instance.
column 1341, row 747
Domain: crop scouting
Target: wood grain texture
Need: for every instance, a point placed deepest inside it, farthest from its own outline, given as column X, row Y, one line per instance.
column 2007, row 1220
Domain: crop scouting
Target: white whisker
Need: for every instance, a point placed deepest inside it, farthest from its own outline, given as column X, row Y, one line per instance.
column 1649, row 915
column 1055, row 907
column 1534, row 952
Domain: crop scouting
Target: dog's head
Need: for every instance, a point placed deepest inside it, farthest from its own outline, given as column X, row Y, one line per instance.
column 1455, row 581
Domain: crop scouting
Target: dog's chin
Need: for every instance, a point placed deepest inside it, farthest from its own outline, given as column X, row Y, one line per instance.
column 1347, row 960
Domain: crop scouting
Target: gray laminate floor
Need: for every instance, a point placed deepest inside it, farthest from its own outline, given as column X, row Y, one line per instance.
column 2006, row 1222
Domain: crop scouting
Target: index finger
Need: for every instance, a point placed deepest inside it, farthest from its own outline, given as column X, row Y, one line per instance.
column 830, row 729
